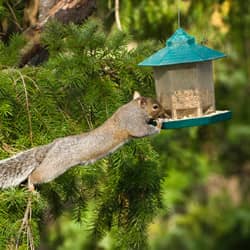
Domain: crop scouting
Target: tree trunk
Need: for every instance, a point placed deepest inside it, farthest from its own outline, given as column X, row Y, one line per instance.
column 38, row 13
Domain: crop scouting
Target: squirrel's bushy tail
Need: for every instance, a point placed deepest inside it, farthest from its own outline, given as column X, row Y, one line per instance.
column 17, row 168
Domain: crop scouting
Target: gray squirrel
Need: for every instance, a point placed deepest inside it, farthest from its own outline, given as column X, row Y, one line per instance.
column 44, row 163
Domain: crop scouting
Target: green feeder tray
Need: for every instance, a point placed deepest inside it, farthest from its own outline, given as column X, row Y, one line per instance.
column 218, row 116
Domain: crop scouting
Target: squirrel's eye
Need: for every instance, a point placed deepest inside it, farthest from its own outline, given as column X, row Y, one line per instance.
column 155, row 106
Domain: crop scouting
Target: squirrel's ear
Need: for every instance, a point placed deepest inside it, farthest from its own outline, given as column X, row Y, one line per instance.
column 136, row 95
column 142, row 102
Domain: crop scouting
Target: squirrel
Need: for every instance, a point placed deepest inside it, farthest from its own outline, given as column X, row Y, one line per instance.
column 44, row 163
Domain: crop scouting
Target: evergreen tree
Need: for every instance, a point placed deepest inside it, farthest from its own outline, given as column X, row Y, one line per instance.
column 89, row 74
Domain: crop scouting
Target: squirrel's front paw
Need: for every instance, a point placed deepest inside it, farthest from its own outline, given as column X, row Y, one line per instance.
column 159, row 122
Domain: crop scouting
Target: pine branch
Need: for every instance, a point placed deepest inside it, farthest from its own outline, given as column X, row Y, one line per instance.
column 87, row 77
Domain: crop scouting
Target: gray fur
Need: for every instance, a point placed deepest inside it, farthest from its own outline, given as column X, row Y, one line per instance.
column 16, row 169
column 45, row 163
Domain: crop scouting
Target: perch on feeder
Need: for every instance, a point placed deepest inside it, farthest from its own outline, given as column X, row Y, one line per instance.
column 184, row 84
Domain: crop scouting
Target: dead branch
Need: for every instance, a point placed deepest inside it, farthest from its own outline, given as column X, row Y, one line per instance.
column 117, row 15
column 26, row 226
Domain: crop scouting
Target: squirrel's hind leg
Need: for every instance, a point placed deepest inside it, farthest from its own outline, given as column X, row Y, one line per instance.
column 31, row 186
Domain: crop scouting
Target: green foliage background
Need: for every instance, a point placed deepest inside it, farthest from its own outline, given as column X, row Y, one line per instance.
column 184, row 189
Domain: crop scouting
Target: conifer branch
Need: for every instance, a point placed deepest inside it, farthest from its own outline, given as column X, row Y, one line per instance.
column 27, row 106
column 27, row 103
column 25, row 226
column 74, row 85
column 90, row 123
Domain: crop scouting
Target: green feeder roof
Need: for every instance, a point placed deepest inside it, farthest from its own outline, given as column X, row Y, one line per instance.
column 181, row 48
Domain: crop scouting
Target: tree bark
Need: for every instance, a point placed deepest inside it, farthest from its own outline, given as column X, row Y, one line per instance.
column 38, row 13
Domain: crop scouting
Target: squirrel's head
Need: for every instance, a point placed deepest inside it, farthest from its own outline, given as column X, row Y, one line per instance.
column 153, row 108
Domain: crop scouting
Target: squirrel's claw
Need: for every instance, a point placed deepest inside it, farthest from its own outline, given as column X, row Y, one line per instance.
column 159, row 122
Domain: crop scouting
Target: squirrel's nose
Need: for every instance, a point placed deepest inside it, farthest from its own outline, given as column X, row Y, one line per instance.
column 162, row 115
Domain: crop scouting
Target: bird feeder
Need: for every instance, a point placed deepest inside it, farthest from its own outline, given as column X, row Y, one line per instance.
column 183, row 73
